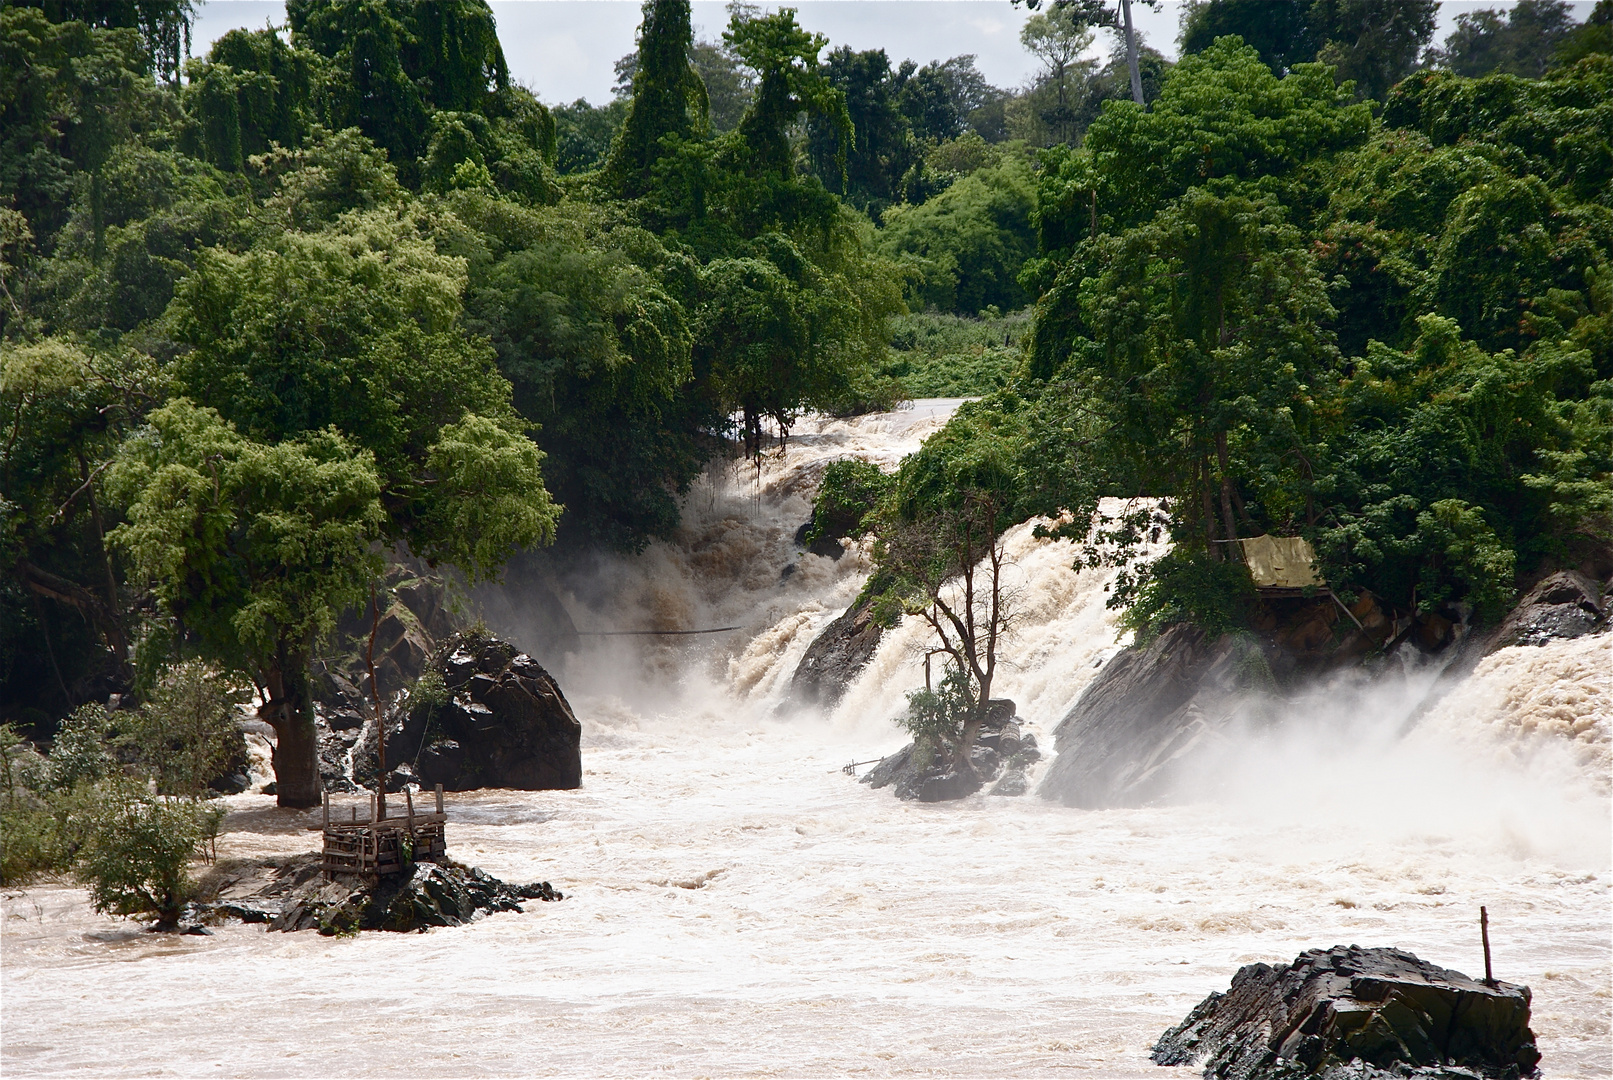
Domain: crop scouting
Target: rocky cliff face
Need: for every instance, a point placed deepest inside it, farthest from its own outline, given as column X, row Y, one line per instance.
column 1365, row 1014
column 1150, row 714
column 1155, row 714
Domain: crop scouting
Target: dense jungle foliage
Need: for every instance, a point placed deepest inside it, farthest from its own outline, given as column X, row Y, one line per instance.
column 344, row 290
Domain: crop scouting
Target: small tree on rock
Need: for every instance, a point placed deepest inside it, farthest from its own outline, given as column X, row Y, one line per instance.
column 940, row 549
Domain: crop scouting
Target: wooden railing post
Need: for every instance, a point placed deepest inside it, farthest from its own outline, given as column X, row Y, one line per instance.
column 439, row 798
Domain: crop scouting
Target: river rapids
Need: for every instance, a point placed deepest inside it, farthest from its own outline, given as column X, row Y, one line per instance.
column 737, row 905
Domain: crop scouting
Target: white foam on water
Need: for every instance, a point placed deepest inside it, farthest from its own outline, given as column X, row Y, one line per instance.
column 735, row 905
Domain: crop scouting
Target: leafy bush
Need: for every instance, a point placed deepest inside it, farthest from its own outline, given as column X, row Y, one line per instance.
column 36, row 836
column 186, row 733
column 935, row 718
column 136, row 860
column 936, row 355
column 1184, row 585
column 848, row 491
column 964, row 248
column 79, row 755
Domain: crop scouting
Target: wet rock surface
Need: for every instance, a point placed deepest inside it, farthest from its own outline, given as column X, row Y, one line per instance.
column 1566, row 604
column 1364, row 1014
column 836, row 656
column 292, row 894
column 1148, row 714
column 1001, row 750
column 504, row 724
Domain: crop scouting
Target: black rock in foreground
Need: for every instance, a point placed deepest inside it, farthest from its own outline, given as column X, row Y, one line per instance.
column 293, row 894
column 1362, row 1014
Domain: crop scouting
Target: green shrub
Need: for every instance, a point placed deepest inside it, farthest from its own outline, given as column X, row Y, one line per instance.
column 935, row 718
column 42, row 832
column 138, row 850
column 22, row 768
column 1184, row 585
column 937, row 355
column 186, row 732
column 78, row 755
column 848, row 491
column 28, row 845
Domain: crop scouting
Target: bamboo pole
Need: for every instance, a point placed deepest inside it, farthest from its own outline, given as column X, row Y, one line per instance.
column 1484, row 932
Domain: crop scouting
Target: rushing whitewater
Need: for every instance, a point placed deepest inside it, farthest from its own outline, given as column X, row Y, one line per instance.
column 737, row 905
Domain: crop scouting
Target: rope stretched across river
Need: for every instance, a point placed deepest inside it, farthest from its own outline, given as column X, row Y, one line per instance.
column 654, row 633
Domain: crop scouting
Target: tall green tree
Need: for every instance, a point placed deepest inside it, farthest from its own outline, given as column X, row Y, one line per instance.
column 883, row 152
column 357, row 330
column 789, row 83
column 253, row 92
column 1207, row 338
column 668, row 97
column 939, row 555
column 1373, row 43
column 255, row 548
column 1519, row 41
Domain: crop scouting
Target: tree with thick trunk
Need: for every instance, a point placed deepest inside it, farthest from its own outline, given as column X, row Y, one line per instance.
column 333, row 408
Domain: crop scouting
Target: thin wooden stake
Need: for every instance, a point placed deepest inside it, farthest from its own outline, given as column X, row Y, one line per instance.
column 1484, row 932
column 439, row 798
column 324, row 801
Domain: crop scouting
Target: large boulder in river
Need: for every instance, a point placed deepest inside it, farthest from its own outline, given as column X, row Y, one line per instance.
column 1566, row 604
column 1358, row 1013
column 1150, row 714
column 836, row 656
column 293, row 893
column 504, row 724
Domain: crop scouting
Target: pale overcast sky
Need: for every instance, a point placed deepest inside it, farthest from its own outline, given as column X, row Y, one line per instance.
column 564, row 49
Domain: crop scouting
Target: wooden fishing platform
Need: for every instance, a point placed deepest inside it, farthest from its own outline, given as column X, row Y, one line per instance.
column 381, row 843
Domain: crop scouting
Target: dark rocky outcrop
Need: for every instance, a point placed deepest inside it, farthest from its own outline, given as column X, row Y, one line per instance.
column 293, row 894
column 1359, row 1013
column 1566, row 604
column 836, row 656
column 1000, row 749
column 829, row 547
column 1149, row 714
column 505, row 723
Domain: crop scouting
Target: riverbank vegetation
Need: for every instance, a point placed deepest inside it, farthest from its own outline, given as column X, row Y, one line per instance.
column 342, row 292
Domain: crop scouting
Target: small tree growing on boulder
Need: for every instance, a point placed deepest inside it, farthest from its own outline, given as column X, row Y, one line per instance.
column 940, row 555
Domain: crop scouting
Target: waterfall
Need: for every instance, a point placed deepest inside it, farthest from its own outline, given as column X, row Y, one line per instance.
column 735, row 904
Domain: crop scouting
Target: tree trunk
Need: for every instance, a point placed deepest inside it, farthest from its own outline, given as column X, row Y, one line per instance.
column 380, row 712
column 290, row 711
column 115, row 637
column 1131, row 54
column 1226, row 494
column 1206, row 508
